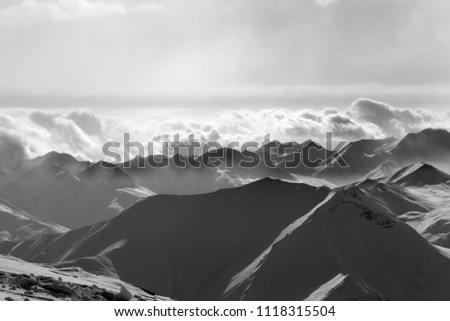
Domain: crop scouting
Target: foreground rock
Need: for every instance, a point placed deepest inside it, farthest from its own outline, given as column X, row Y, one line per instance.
column 22, row 281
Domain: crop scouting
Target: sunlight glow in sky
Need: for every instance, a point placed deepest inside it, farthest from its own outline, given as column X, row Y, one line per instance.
column 211, row 54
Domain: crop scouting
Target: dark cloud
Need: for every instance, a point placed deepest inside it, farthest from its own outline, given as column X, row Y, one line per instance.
column 346, row 128
column 330, row 111
column 377, row 112
column 311, row 116
column 340, row 120
column 391, row 120
column 42, row 119
column 213, row 135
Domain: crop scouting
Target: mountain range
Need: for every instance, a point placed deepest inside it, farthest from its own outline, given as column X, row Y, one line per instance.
column 377, row 229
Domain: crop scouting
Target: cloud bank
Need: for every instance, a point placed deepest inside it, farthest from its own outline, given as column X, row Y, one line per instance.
column 131, row 47
column 82, row 132
column 392, row 121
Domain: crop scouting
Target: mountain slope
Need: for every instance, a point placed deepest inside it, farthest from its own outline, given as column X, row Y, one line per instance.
column 209, row 172
column 360, row 157
column 63, row 190
column 15, row 224
column 344, row 288
column 382, row 171
column 424, row 146
column 346, row 234
column 185, row 246
column 268, row 240
column 420, row 174
column 308, row 157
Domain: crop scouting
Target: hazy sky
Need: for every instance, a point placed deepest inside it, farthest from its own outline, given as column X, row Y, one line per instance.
column 228, row 69
column 215, row 53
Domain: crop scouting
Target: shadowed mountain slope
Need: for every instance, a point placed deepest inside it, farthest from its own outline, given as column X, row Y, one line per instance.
column 268, row 240
column 71, row 193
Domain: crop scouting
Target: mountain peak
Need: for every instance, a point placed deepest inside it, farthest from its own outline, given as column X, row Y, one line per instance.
column 311, row 144
column 106, row 169
column 57, row 158
column 434, row 130
column 382, row 171
column 427, row 142
column 420, row 174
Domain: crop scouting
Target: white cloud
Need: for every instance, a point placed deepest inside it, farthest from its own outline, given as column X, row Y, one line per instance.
column 31, row 10
column 87, row 120
column 82, row 132
column 66, row 135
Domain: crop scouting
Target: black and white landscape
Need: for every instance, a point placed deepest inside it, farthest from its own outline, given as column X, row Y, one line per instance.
column 382, row 236
column 224, row 150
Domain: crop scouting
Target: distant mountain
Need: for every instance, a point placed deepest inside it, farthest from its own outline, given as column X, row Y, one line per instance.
column 246, row 165
column 102, row 190
column 361, row 157
column 425, row 146
column 209, row 172
column 16, row 224
column 365, row 156
column 71, row 193
column 308, row 157
column 177, row 177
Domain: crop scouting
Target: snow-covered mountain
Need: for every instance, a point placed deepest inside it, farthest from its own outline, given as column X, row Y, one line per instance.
column 268, row 240
column 418, row 194
column 225, row 232
column 382, row 172
column 58, row 188
column 188, row 246
column 420, row 174
column 429, row 145
column 211, row 171
column 360, row 158
column 16, row 224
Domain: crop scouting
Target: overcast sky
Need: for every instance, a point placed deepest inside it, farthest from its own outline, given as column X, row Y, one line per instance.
column 223, row 69
column 156, row 53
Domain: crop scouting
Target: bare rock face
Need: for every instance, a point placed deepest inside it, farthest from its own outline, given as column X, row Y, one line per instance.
column 25, row 281
column 57, row 286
